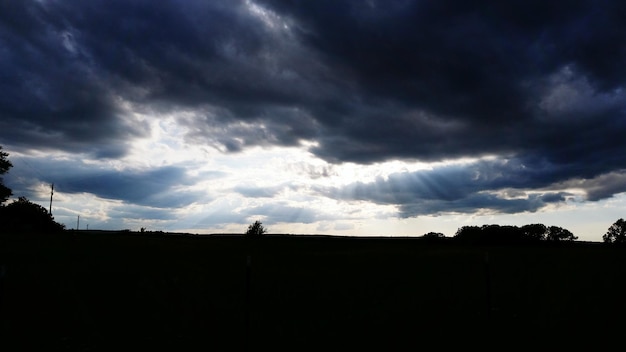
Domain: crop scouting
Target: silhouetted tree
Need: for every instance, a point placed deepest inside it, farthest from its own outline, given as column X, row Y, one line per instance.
column 503, row 234
column 616, row 233
column 24, row 216
column 5, row 165
column 433, row 235
column 556, row 233
column 256, row 229
column 492, row 234
column 497, row 234
column 534, row 231
column 469, row 233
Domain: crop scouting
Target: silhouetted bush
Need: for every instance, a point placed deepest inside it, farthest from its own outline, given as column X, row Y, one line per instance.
column 24, row 216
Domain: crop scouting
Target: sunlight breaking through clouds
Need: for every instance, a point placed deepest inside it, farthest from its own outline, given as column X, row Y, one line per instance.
column 339, row 117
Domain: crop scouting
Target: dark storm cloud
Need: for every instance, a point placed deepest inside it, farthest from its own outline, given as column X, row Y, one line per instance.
column 51, row 94
column 537, row 82
column 69, row 67
column 156, row 187
column 455, row 80
column 447, row 79
column 478, row 202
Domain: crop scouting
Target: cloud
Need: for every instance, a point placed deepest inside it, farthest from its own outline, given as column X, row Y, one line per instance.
column 258, row 192
column 447, row 80
column 366, row 82
column 494, row 185
column 159, row 187
column 229, row 210
column 281, row 212
column 142, row 213
column 53, row 97
column 569, row 96
column 537, row 86
column 313, row 171
column 600, row 187
column 71, row 73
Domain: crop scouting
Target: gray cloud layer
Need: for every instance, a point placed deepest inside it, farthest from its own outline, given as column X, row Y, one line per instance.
column 540, row 84
column 489, row 185
column 161, row 187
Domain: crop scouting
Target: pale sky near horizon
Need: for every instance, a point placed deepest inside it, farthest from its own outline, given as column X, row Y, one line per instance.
column 392, row 118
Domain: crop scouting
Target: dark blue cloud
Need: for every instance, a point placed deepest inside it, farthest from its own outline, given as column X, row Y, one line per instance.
column 473, row 203
column 141, row 187
column 161, row 187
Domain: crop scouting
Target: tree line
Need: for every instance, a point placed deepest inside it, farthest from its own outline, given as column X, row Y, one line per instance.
column 514, row 234
column 532, row 233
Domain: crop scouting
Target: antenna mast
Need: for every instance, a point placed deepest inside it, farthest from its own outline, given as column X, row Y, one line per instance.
column 51, row 193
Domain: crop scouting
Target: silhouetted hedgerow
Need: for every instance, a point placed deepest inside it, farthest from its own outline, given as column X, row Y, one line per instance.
column 497, row 234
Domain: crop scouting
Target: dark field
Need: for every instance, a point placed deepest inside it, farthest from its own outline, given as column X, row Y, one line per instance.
column 102, row 292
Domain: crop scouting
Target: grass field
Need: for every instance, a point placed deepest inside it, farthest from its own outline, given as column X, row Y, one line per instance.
column 93, row 291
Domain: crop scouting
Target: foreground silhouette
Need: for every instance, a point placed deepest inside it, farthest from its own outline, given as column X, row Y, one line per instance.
column 616, row 233
column 497, row 234
column 24, row 216
column 5, row 165
column 99, row 291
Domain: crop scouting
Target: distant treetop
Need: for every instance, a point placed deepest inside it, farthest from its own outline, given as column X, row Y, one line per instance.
column 432, row 235
column 256, row 229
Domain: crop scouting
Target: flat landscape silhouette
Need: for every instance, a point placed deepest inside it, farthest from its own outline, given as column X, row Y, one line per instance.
column 93, row 290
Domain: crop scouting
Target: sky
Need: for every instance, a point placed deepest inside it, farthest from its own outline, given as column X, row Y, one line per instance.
column 356, row 118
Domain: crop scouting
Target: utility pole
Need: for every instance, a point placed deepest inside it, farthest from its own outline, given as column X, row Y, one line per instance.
column 51, row 193
column 77, row 222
